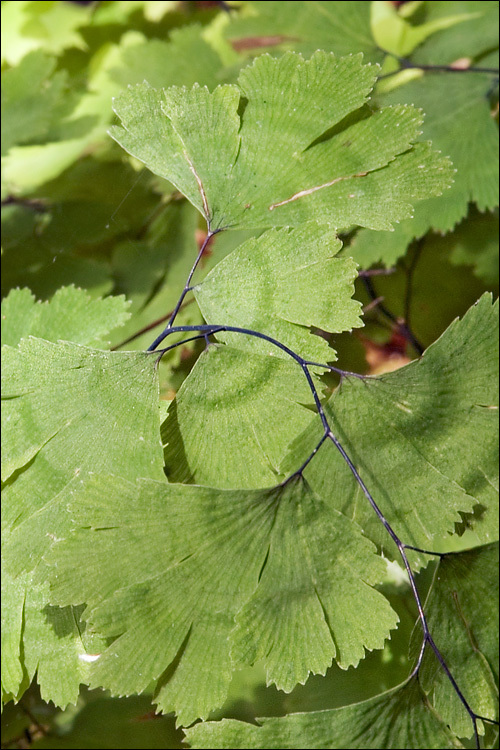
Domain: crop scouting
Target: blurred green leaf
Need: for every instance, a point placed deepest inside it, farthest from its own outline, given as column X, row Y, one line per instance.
column 304, row 27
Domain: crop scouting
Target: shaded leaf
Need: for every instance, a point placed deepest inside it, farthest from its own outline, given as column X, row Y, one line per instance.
column 182, row 61
column 396, row 719
column 304, row 27
column 478, row 36
column 462, row 608
column 473, row 149
column 32, row 95
column 217, row 430
column 102, row 721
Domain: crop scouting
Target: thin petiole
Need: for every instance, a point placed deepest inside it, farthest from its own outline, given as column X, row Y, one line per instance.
column 187, row 285
column 424, row 551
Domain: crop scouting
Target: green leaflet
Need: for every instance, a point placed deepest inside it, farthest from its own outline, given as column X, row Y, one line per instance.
column 317, row 566
column 396, row 719
column 195, row 557
column 71, row 315
column 52, row 643
column 67, row 410
column 279, row 284
column 289, row 143
column 474, row 151
column 413, row 435
column 217, row 430
column 462, row 611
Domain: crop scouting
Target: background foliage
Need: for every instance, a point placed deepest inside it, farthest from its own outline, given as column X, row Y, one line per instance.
column 96, row 247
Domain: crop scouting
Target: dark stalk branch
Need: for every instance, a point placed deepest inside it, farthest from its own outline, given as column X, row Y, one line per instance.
column 149, row 327
column 419, row 246
column 376, row 272
column 206, row 330
column 342, row 373
column 171, row 316
column 424, row 551
column 187, row 287
column 225, row 6
column 300, row 471
column 400, row 326
column 407, row 64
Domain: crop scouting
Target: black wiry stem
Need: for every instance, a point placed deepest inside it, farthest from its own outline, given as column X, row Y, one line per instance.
column 187, row 287
column 206, row 330
column 401, row 327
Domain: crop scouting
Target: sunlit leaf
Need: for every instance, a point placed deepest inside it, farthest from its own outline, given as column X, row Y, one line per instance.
column 265, row 550
column 302, row 147
column 281, row 284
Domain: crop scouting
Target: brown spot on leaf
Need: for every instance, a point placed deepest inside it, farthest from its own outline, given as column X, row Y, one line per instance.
column 254, row 42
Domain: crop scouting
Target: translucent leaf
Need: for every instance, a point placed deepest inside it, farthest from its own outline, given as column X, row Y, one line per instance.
column 290, row 143
column 423, row 438
column 395, row 35
column 282, row 284
column 396, row 719
column 462, row 608
column 71, row 315
column 304, row 27
column 195, row 556
column 471, row 40
column 13, row 593
column 317, row 563
column 67, row 409
column 50, row 26
column 217, row 431
column 50, row 642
